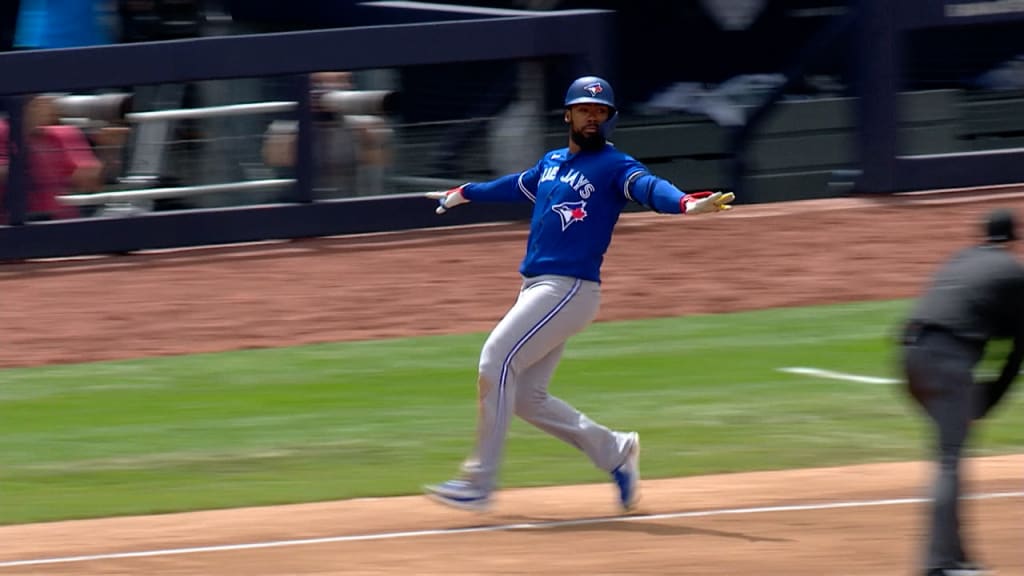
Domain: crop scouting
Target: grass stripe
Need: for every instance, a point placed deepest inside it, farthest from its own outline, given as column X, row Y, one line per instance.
column 381, row 418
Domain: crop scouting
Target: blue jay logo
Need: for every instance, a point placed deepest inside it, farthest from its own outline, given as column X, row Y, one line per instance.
column 571, row 212
column 594, row 88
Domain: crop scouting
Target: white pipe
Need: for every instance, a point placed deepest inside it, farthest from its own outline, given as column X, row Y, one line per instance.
column 175, row 192
column 211, row 111
column 366, row 102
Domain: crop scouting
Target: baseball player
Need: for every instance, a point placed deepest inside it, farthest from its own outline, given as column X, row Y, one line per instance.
column 578, row 193
column 976, row 297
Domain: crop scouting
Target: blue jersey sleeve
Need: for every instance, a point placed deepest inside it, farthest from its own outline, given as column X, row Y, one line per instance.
column 521, row 187
column 658, row 194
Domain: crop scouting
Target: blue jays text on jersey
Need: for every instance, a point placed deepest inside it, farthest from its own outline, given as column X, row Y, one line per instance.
column 577, row 201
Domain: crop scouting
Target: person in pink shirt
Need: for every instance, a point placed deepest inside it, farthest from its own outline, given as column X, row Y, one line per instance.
column 60, row 161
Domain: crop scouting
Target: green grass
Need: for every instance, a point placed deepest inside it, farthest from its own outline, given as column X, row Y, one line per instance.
column 381, row 418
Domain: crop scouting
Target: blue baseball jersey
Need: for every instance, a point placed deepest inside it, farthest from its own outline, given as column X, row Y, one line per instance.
column 577, row 201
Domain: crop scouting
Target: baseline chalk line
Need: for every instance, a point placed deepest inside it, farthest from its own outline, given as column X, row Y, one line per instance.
column 490, row 528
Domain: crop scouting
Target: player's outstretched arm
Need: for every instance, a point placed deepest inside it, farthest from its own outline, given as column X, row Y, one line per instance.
column 662, row 196
column 519, row 187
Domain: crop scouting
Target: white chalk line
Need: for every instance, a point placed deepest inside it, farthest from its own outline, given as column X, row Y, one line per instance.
column 834, row 375
column 491, row 528
column 846, row 376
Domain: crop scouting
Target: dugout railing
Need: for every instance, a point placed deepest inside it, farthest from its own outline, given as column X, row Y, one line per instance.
column 450, row 35
column 881, row 60
column 890, row 140
column 899, row 140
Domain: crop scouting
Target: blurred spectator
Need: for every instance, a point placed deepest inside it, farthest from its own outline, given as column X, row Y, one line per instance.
column 351, row 149
column 62, row 24
column 108, row 144
column 60, row 161
column 102, row 117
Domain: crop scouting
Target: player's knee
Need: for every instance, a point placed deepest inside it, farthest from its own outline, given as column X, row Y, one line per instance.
column 484, row 385
column 490, row 371
column 488, row 377
column 492, row 364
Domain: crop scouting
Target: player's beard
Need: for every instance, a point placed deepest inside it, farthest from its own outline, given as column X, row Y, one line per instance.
column 593, row 142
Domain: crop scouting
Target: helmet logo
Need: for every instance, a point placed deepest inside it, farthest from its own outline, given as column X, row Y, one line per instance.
column 594, row 88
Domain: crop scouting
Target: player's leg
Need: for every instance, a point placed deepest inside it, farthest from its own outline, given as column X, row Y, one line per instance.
column 607, row 449
column 548, row 311
column 615, row 452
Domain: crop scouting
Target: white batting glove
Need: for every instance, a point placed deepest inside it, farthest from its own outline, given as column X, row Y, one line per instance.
column 447, row 199
column 702, row 202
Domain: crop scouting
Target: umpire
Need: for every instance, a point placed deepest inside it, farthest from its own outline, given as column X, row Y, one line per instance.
column 974, row 298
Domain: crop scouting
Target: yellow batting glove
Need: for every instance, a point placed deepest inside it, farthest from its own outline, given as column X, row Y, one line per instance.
column 703, row 202
column 723, row 202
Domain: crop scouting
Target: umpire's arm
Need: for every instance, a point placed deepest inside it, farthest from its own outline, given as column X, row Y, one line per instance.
column 994, row 390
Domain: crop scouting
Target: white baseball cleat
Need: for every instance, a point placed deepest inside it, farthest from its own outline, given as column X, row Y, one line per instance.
column 459, row 494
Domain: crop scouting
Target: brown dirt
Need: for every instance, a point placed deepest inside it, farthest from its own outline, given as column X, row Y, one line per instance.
column 433, row 282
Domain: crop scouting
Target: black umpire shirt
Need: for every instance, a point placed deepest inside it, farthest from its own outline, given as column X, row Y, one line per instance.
column 978, row 296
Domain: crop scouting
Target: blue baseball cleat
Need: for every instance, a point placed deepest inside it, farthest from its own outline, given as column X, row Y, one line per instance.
column 459, row 494
column 627, row 476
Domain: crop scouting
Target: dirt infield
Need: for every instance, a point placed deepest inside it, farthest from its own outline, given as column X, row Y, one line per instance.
column 848, row 521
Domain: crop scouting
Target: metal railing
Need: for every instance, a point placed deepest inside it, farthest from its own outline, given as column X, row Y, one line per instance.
column 360, row 106
column 436, row 35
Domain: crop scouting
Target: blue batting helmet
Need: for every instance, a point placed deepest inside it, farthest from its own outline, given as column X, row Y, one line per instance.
column 594, row 90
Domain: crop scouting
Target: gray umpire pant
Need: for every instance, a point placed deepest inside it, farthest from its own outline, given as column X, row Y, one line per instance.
column 516, row 366
column 939, row 369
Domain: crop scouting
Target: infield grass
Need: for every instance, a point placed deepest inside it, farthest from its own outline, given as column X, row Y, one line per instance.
column 381, row 418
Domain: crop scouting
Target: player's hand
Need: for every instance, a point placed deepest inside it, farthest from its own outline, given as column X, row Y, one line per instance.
column 701, row 202
column 447, row 199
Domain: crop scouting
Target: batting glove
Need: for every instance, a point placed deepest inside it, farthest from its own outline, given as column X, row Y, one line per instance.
column 448, row 199
column 701, row 202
